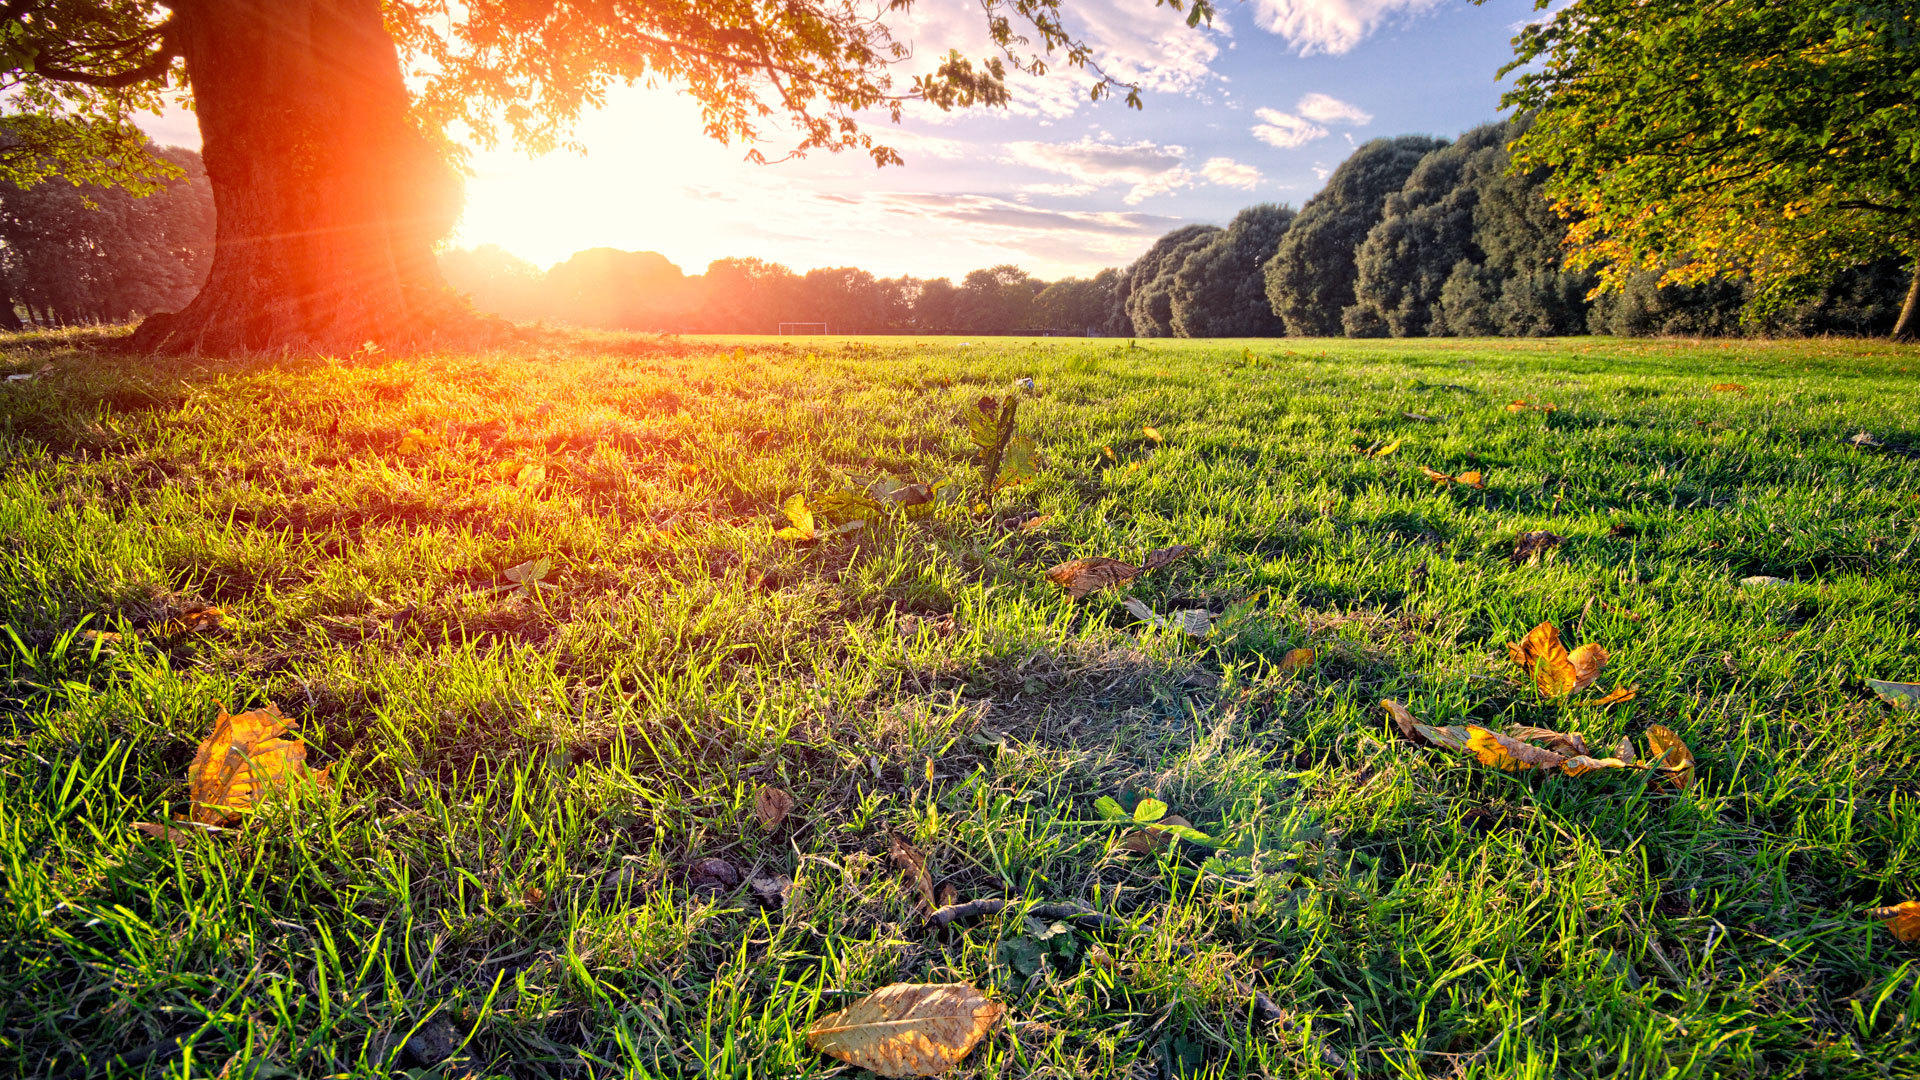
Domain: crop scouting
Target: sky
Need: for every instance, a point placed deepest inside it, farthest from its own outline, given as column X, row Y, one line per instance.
column 1256, row 108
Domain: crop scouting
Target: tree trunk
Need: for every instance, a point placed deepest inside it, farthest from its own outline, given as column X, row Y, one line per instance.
column 9, row 315
column 1907, row 326
column 327, row 201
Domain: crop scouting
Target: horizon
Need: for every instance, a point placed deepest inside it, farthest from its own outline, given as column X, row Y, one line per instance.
column 1257, row 109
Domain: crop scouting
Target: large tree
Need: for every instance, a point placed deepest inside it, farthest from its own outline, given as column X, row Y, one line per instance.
column 1148, row 297
column 1703, row 139
column 1220, row 290
column 331, row 176
column 1311, row 276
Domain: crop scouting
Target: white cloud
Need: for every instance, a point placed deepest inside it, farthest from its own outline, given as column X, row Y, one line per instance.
column 1286, row 130
column 1305, row 123
column 1331, row 110
column 1227, row 172
column 1330, row 26
column 1148, row 168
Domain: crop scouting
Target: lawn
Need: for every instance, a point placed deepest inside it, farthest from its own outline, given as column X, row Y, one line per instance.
column 546, row 845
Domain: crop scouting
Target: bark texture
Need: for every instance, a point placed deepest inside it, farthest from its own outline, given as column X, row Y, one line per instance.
column 1907, row 326
column 327, row 200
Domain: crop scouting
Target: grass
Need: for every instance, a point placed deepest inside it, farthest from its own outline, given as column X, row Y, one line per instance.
column 503, row 879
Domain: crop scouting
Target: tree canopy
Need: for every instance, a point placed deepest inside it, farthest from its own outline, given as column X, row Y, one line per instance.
column 1772, row 139
column 1219, row 290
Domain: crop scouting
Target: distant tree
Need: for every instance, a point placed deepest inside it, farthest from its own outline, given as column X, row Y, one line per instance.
column 747, row 295
column 1149, row 295
column 1310, row 279
column 936, row 308
column 329, row 161
column 89, row 253
column 1426, row 229
column 1076, row 306
column 498, row 282
column 628, row 290
column 1220, row 290
column 1644, row 305
column 997, row 300
column 1774, row 139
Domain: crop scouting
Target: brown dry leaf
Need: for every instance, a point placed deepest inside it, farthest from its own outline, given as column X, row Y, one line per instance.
column 1083, row 576
column 1567, row 743
column 1615, row 696
column 243, row 763
column 1452, row 737
column 194, row 620
column 913, row 862
column 1580, row 765
column 1035, row 522
column 771, row 805
column 1555, row 671
column 1671, row 756
column 1508, row 753
column 1625, row 751
column 1521, row 405
column 908, row 1029
column 179, row 835
column 1161, row 558
column 1529, row 544
column 1727, row 388
column 1903, row 919
column 1295, row 660
column 1152, row 838
column 1439, row 478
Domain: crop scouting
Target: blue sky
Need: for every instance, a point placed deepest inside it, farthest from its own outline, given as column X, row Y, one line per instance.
column 1256, row 109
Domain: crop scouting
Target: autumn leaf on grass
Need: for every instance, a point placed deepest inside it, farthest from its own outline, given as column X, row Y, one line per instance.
column 1900, row 695
column 1295, row 660
column 771, row 805
column 1531, row 544
column 417, row 440
column 1556, row 671
column 1508, row 753
column 1666, row 753
column 1567, row 743
column 194, row 620
column 530, row 476
column 908, row 1029
column 913, row 863
column 1727, row 388
column 1152, row 433
column 1378, row 450
column 1037, row 521
column 1452, row 737
column 1161, row 558
column 1082, row 577
column 1523, row 405
column 531, row 576
column 1903, row 919
column 800, row 527
column 245, row 762
column 1618, row 695
column 1465, row 479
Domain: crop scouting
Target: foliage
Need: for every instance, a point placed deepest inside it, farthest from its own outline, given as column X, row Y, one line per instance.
column 1147, row 299
column 1219, row 290
column 1770, row 139
column 1310, row 279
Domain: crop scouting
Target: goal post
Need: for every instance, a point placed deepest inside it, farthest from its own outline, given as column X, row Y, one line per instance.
column 787, row 328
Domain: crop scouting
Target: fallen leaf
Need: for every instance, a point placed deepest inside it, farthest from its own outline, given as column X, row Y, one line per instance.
column 417, row 440
column 1727, row 388
column 1671, row 756
column 1530, row 544
column 1161, row 558
column 1439, row 478
column 1566, row 743
column 530, row 476
column 907, row 1029
column 1518, row 406
column 531, row 576
column 1554, row 670
column 1900, row 695
column 1035, row 522
column 800, row 528
column 1379, row 451
column 104, row 637
column 178, row 834
column 1154, row 835
column 1141, row 611
column 244, row 763
column 913, row 862
column 507, row 470
column 771, row 890
column 1294, row 660
column 1472, row 480
column 1903, row 919
column 709, row 876
column 1152, row 433
column 1108, row 451
column 1508, row 753
column 1084, row 576
column 1762, row 581
column 1195, row 622
column 771, row 805
column 1865, row 440
column 1616, row 696
column 194, row 620
column 1452, row 737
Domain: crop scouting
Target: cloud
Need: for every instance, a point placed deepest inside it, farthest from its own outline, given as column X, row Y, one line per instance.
column 1331, row 110
column 1286, row 130
column 1305, row 123
column 1147, row 168
column 1227, row 172
column 1331, row 26
column 994, row 212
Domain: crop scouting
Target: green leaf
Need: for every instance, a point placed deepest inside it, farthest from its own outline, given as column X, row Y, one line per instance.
column 1109, row 809
column 1149, row 810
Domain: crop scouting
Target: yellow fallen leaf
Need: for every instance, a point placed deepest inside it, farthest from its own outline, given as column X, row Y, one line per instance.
column 1379, row 451
column 802, row 529
column 507, row 470
column 908, row 1029
column 530, row 476
column 194, row 620
column 1152, row 433
column 1616, row 696
column 1295, row 660
column 1902, row 918
column 913, row 863
column 1472, row 480
column 245, row 762
column 1556, row 671
column 418, row 439
column 1727, row 388
column 1508, row 753
column 1670, row 756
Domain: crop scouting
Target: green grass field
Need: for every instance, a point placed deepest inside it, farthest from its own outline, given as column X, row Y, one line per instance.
column 505, row 876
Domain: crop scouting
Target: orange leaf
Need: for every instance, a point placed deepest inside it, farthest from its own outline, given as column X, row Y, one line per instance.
column 243, row 763
column 1670, row 756
column 1903, row 919
column 1727, row 388
column 1161, row 558
column 908, row 1029
column 1471, row 479
column 1452, row 737
column 1439, row 478
column 771, row 805
column 1615, row 696
column 1295, row 660
column 1508, row 753
column 1556, row 672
